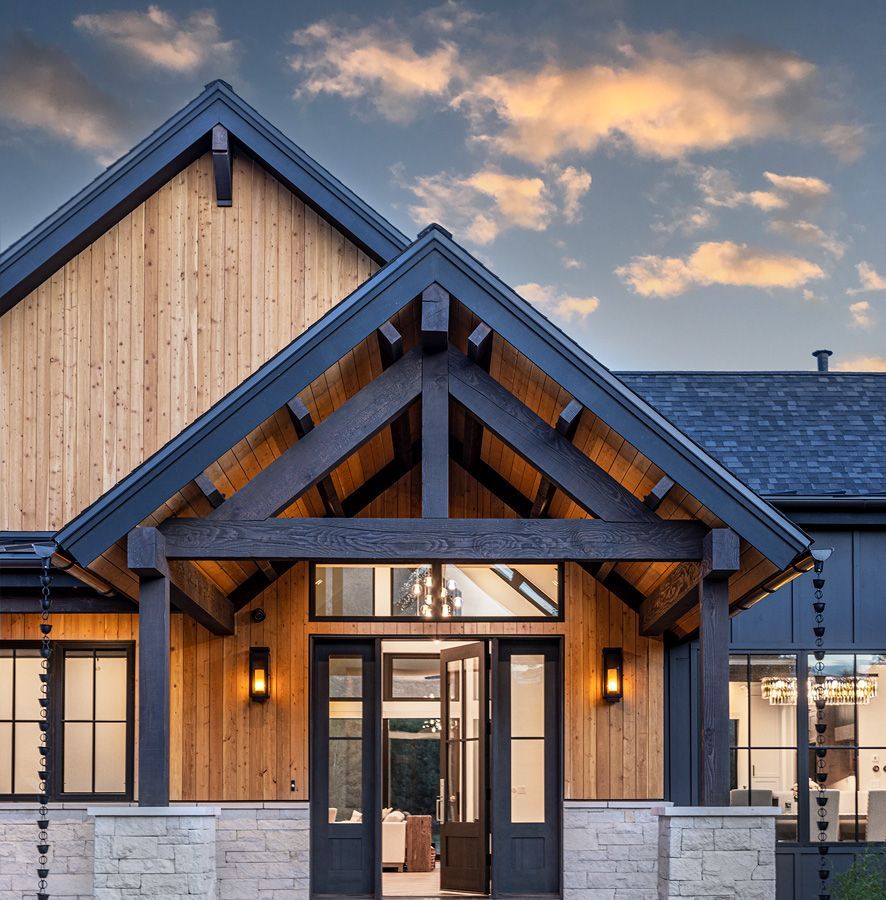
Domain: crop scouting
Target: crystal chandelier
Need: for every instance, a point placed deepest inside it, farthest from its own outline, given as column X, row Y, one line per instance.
column 447, row 602
column 837, row 690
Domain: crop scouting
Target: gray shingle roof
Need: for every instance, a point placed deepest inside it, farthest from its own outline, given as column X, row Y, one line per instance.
column 798, row 433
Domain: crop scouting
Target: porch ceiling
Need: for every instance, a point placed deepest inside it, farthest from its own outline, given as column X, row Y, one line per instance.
column 501, row 485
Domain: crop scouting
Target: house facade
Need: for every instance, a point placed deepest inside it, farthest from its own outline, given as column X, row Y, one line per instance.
column 330, row 567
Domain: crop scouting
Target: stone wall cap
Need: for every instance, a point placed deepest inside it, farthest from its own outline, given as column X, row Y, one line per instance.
column 615, row 804
column 721, row 811
column 161, row 811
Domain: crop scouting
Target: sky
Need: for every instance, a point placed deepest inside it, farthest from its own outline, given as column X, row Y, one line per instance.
column 680, row 185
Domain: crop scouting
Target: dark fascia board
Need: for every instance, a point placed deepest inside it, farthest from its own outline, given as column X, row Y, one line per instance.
column 433, row 257
column 149, row 165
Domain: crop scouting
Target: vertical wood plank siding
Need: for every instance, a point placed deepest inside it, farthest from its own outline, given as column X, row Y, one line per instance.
column 223, row 747
column 149, row 326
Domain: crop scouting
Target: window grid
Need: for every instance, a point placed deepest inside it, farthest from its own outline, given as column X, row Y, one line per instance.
column 16, row 653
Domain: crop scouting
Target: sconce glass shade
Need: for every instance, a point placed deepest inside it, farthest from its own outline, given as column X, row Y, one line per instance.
column 613, row 674
column 259, row 673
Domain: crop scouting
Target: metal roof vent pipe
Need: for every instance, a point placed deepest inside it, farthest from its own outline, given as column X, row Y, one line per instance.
column 822, row 357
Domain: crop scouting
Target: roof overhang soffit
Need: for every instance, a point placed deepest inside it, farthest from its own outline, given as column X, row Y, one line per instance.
column 433, row 258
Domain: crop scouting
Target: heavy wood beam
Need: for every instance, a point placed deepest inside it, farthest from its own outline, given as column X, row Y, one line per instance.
column 382, row 480
column 656, row 496
column 390, row 348
column 434, row 319
column 221, row 166
column 679, row 592
column 303, row 423
column 189, row 589
column 194, row 594
column 721, row 558
column 211, row 493
column 480, row 353
column 326, row 446
column 594, row 490
column 492, row 481
column 435, row 403
column 432, row 539
column 147, row 558
column 608, row 578
column 567, row 423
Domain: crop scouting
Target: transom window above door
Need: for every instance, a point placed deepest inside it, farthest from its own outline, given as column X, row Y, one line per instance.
column 437, row 591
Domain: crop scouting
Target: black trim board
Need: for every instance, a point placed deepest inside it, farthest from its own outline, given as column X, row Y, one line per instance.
column 432, row 258
column 175, row 144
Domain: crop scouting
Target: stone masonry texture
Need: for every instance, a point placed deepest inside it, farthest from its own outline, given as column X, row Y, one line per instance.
column 717, row 857
column 169, row 857
column 70, row 856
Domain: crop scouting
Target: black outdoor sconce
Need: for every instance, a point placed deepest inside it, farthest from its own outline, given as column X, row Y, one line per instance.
column 259, row 673
column 613, row 674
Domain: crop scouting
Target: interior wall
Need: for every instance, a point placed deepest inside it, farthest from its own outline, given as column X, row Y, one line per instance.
column 145, row 329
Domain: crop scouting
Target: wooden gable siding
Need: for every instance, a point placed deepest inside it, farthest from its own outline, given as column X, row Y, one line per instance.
column 149, row 326
column 225, row 748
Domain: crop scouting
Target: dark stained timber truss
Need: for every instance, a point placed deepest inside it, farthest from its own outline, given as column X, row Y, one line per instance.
column 326, row 446
column 432, row 539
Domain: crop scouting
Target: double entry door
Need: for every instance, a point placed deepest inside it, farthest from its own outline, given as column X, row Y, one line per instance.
column 500, row 786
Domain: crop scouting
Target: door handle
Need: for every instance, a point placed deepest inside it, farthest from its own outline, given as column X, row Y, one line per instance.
column 441, row 806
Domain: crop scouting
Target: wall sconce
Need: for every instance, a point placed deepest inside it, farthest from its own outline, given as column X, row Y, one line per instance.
column 259, row 673
column 613, row 674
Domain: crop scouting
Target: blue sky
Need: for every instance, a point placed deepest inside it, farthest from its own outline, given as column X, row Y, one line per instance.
column 680, row 185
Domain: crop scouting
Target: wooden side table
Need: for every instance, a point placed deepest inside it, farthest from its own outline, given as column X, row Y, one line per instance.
column 420, row 854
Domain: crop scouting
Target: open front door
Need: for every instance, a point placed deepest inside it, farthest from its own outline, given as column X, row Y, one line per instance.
column 462, row 807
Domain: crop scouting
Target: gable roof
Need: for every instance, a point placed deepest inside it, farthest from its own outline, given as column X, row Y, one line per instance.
column 177, row 142
column 782, row 433
column 434, row 257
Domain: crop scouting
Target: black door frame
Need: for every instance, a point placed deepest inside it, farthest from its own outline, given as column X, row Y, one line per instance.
column 369, row 829
column 506, row 880
column 348, row 642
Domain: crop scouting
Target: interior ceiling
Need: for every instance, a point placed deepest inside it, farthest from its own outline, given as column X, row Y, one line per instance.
column 353, row 372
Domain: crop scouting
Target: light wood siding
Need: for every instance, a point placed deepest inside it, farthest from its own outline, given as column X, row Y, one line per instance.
column 223, row 747
column 149, row 326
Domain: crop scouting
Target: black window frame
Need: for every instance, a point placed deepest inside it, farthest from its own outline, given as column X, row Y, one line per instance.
column 55, row 732
column 805, row 747
column 313, row 615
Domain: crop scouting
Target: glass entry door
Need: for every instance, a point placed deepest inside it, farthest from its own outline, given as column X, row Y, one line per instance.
column 461, row 807
column 527, row 753
column 345, row 813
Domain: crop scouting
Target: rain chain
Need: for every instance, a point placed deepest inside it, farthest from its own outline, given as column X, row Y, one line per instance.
column 819, row 697
column 45, row 553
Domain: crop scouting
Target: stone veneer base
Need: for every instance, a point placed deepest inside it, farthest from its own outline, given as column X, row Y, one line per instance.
column 642, row 850
column 717, row 852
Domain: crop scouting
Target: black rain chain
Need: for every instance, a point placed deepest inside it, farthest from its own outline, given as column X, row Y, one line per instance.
column 819, row 697
column 45, row 554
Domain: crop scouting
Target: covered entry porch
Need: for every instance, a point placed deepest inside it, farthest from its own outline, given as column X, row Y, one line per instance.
column 432, row 419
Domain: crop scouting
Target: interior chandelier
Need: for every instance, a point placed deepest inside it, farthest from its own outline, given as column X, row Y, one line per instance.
column 449, row 598
column 836, row 690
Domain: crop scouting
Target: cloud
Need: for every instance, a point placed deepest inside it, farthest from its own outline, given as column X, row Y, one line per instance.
column 721, row 263
column 374, row 62
column 556, row 302
column 869, row 278
column 861, row 364
column 159, row 39
column 489, row 201
column 43, row 88
column 575, row 183
column 718, row 188
column 861, row 314
column 662, row 98
column 804, row 232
